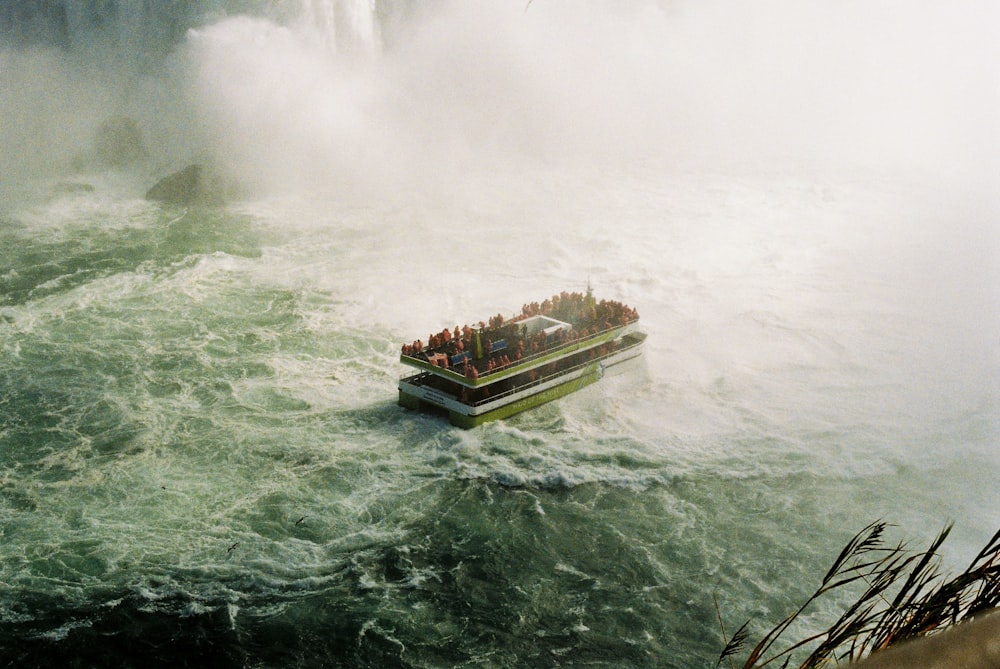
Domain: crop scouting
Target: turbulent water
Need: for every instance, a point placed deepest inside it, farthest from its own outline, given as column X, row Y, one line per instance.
column 201, row 457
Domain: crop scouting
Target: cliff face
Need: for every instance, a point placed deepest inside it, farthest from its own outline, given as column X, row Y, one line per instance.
column 148, row 27
column 153, row 29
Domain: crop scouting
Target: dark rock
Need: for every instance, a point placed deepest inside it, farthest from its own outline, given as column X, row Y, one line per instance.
column 191, row 185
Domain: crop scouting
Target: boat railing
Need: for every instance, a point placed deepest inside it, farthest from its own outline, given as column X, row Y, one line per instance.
column 428, row 356
column 531, row 384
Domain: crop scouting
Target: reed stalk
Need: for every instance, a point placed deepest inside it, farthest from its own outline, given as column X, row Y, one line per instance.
column 897, row 595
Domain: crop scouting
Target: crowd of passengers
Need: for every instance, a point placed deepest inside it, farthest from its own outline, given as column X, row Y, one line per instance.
column 505, row 341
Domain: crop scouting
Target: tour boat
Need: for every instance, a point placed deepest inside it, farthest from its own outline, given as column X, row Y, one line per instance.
column 495, row 370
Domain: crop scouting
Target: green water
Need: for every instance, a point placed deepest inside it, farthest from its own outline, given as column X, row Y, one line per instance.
column 203, row 458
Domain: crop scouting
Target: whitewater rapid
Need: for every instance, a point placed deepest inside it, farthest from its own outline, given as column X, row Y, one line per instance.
column 201, row 425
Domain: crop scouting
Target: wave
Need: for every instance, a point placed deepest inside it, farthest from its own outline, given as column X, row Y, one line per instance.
column 77, row 247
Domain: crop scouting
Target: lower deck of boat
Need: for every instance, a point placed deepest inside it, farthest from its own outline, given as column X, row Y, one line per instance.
column 469, row 407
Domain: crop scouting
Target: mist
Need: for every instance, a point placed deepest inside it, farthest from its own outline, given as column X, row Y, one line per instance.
column 411, row 99
column 466, row 103
column 455, row 106
column 483, row 86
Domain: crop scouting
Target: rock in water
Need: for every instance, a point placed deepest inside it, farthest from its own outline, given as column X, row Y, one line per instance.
column 191, row 185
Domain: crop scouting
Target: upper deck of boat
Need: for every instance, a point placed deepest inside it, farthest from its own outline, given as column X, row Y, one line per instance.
column 541, row 334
